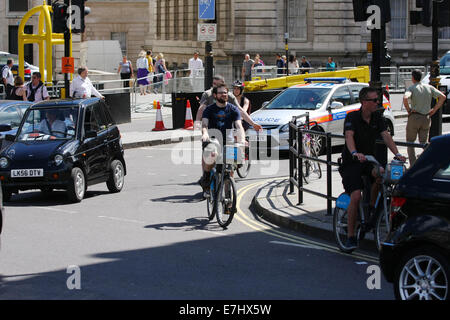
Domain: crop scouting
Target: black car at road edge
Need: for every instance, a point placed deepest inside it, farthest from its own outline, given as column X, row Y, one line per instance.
column 415, row 257
column 81, row 147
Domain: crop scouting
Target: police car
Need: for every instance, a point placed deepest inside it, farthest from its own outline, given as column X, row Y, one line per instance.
column 326, row 100
column 444, row 80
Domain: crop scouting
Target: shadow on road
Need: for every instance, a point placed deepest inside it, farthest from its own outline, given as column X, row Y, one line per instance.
column 198, row 197
column 31, row 198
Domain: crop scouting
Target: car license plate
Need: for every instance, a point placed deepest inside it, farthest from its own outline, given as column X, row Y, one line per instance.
column 27, row 173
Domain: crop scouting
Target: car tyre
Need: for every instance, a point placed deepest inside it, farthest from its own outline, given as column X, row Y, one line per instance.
column 422, row 273
column 116, row 178
column 77, row 187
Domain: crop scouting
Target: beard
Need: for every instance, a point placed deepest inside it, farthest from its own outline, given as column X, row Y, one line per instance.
column 222, row 100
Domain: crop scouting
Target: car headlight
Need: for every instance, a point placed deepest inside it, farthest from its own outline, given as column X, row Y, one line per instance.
column 3, row 162
column 58, row 159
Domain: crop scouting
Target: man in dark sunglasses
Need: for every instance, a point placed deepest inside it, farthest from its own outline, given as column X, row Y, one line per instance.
column 361, row 129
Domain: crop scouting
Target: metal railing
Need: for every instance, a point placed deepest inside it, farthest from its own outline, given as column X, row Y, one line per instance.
column 297, row 155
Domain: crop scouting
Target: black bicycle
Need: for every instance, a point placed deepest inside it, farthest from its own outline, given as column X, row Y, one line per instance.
column 221, row 199
column 244, row 168
column 391, row 176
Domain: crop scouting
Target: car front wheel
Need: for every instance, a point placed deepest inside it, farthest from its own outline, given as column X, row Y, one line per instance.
column 117, row 177
column 422, row 274
column 77, row 186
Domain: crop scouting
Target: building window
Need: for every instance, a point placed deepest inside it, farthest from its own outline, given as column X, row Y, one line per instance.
column 122, row 38
column 444, row 33
column 398, row 24
column 18, row 5
column 297, row 19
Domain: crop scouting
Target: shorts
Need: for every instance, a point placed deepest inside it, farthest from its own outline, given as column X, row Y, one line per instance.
column 211, row 152
column 352, row 175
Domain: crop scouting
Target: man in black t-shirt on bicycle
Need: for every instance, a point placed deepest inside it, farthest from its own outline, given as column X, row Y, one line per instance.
column 361, row 129
column 220, row 116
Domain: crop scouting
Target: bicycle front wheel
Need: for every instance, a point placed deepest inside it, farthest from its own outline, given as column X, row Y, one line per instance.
column 226, row 202
column 244, row 169
column 340, row 229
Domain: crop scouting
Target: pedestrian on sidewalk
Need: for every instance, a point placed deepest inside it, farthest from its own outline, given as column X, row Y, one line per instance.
column 195, row 72
column 420, row 111
column 126, row 71
column 258, row 65
column 36, row 90
column 331, row 65
column 160, row 71
column 81, row 86
column 8, row 77
column 305, row 66
column 19, row 91
column 151, row 68
column 246, row 74
column 293, row 64
column 142, row 72
column 281, row 67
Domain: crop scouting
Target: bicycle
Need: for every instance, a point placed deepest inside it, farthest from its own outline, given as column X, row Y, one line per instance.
column 391, row 176
column 221, row 199
column 310, row 168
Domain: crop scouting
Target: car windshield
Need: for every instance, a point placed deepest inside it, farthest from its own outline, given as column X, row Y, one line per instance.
column 303, row 98
column 49, row 124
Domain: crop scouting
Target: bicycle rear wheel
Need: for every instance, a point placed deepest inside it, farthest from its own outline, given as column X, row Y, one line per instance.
column 340, row 229
column 226, row 202
column 306, row 170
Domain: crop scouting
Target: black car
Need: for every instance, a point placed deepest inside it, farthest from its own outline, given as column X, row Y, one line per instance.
column 415, row 257
column 64, row 144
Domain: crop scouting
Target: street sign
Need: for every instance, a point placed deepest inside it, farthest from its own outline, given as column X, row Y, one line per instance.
column 68, row 65
column 207, row 9
column 207, row 32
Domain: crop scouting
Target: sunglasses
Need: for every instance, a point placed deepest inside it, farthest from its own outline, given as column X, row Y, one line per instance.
column 222, row 92
column 373, row 100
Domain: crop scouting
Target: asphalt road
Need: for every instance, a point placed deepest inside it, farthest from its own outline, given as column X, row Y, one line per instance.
column 153, row 241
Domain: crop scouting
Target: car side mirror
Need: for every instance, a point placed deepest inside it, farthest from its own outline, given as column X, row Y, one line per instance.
column 265, row 104
column 336, row 105
column 5, row 127
column 90, row 134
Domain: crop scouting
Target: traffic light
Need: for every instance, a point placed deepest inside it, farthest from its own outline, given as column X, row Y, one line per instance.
column 425, row 16
column 386, row 57
column 444, row 13
column 79, row 11
column 360, row 10
column 60, row 17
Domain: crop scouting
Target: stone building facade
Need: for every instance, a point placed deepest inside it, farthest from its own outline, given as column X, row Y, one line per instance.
column 316, row 29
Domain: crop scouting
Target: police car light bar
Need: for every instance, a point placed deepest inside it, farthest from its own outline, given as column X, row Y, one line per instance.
column 334, row 80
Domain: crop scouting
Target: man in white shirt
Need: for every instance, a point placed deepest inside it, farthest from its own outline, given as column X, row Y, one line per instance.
column 196, row 68
column 52, row 125
column 36, row 90
column 81, row 86
column 8, row 77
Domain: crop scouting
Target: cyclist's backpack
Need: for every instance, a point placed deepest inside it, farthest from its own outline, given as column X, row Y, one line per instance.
column 32, row 91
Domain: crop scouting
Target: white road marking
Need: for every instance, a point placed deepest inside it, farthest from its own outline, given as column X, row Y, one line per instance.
column 216, row 233
column 123, row 220
column 57, row 210
column 307, row 246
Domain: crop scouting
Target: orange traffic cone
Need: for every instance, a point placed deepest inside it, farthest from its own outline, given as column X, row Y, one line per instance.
column 159, row 124
column 189, row 122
